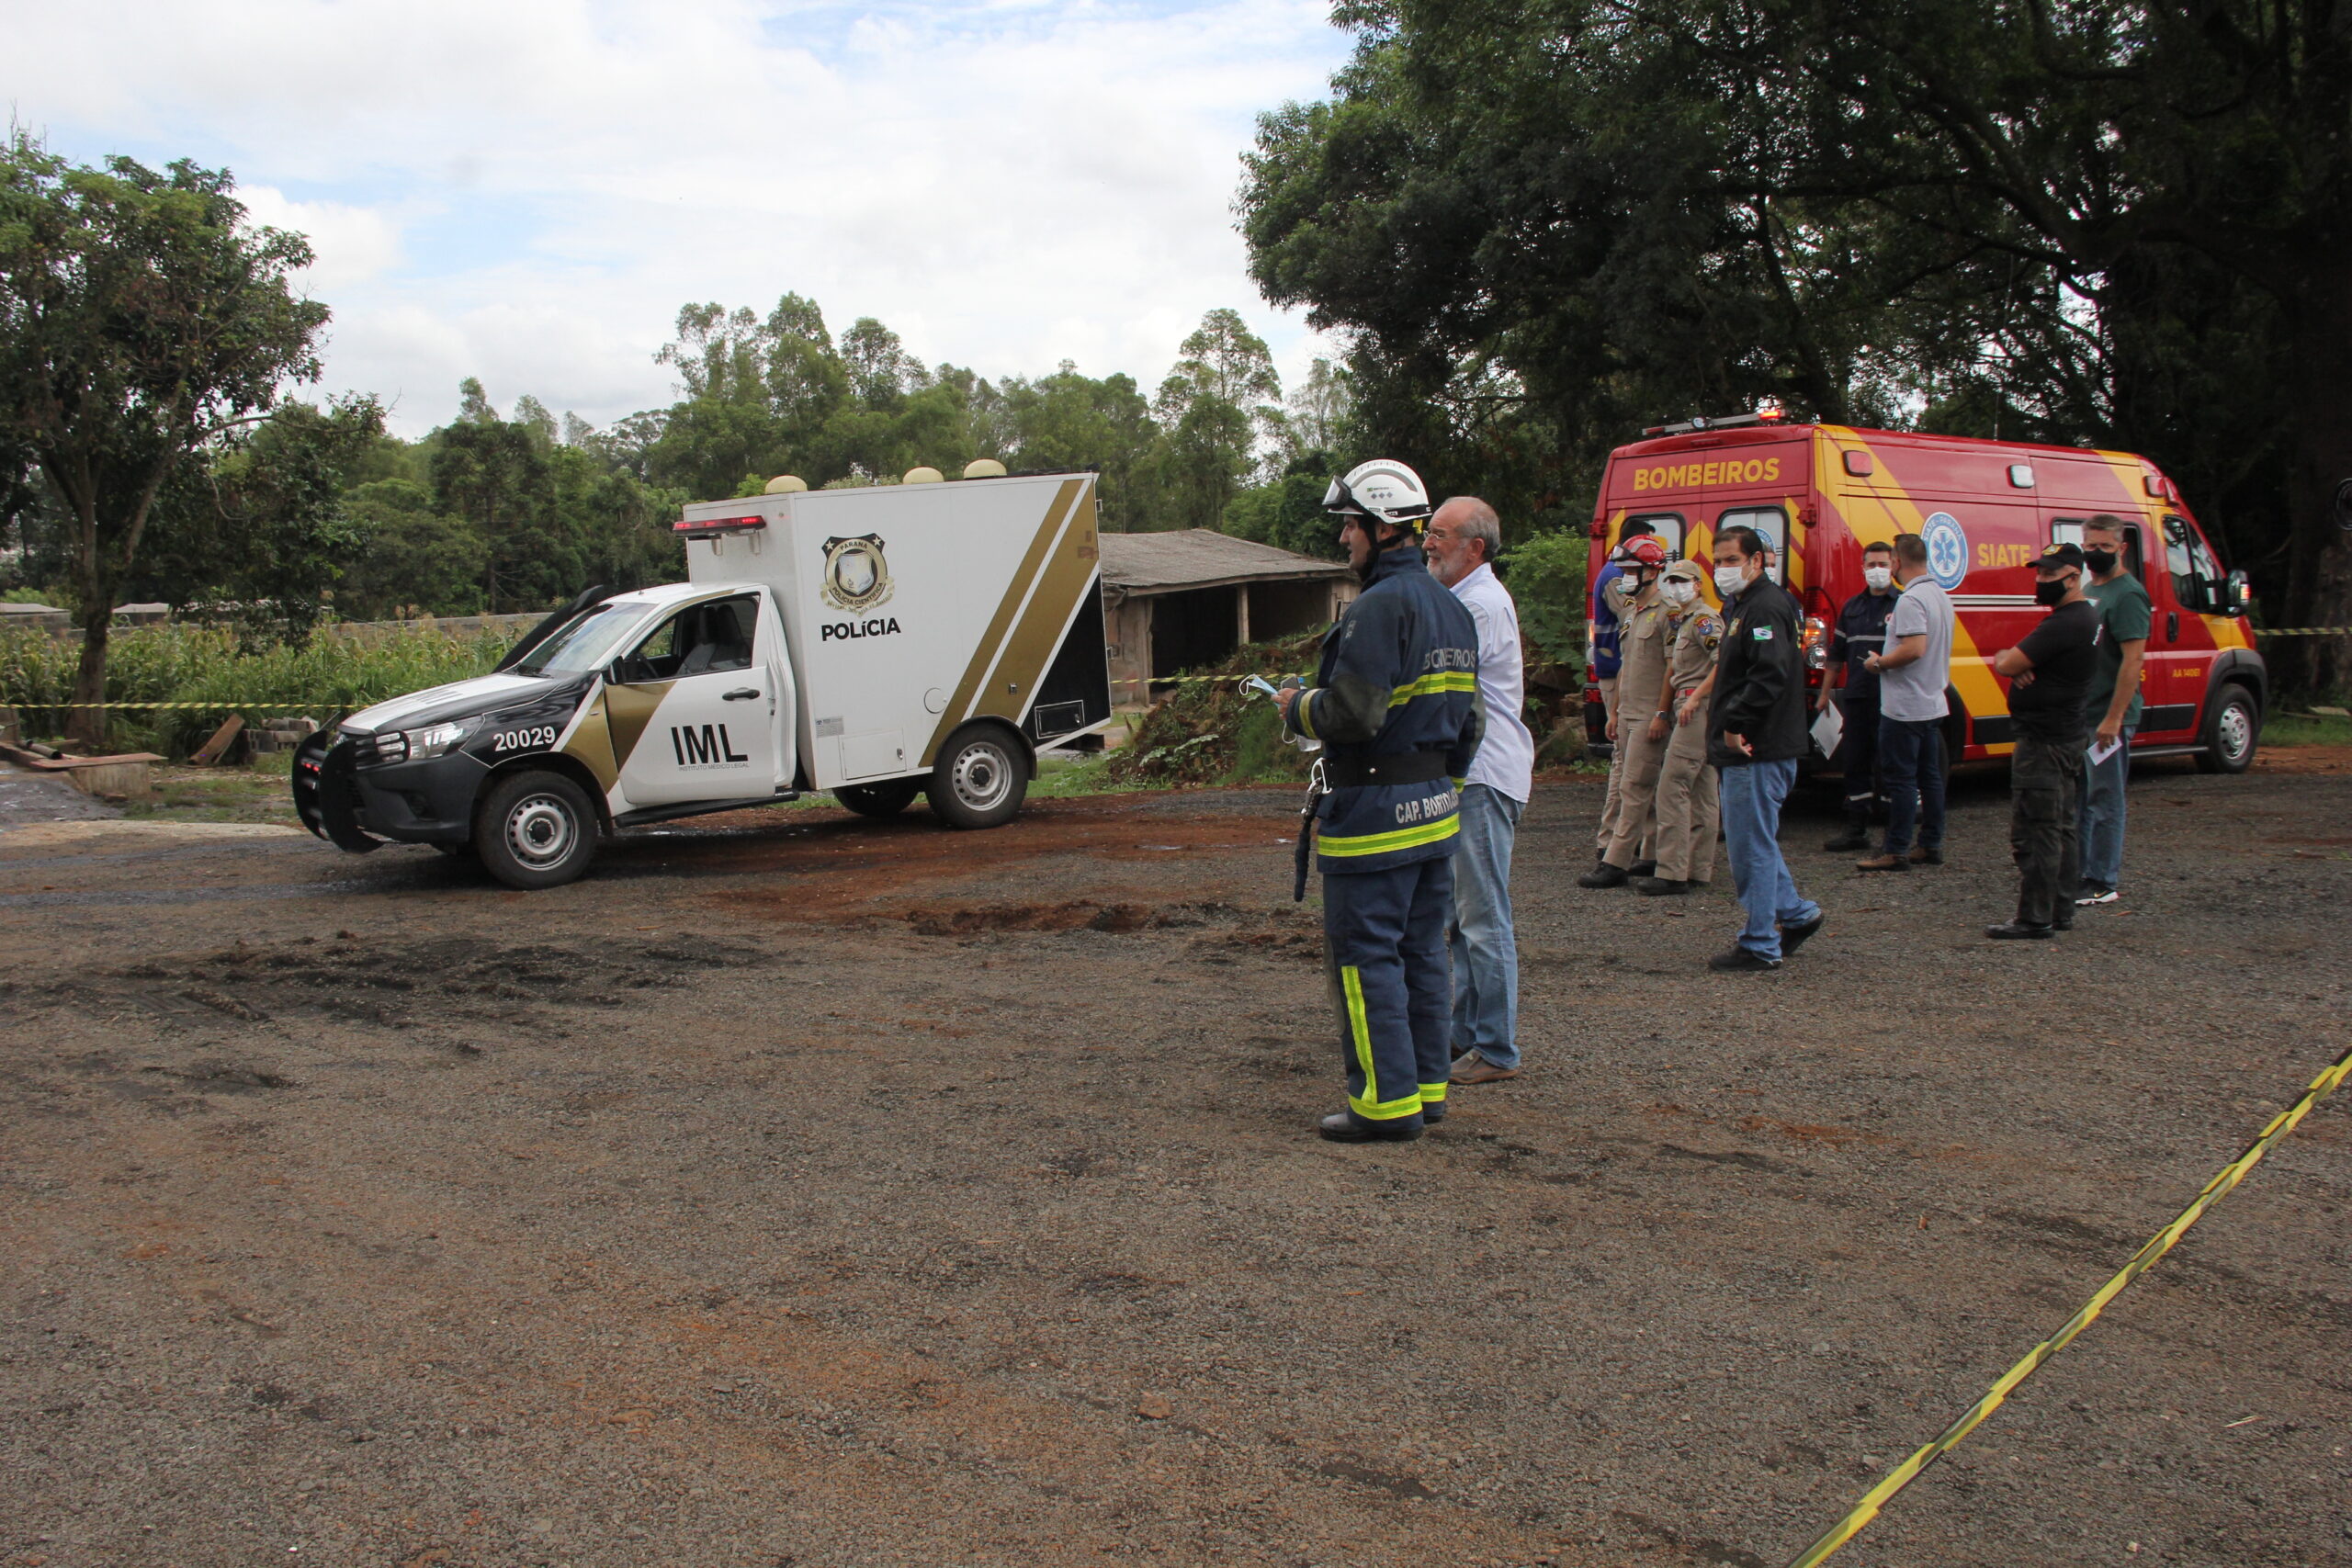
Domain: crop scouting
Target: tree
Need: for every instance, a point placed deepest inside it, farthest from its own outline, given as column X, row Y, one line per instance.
column 1221, row 394
column 2022, row 215
column 141, row 320
column 416, row 560
column 260, row 532
column 492, row 475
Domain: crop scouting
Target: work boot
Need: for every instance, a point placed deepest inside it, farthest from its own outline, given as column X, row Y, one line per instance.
column 1883, row 862
column 1794, row 937
column 1605, row 875
column 1660, row 886
column 1857, row 836
column 1642, row 868
column 1347, row 1127
column 1471, row 1067
column 1738, row 960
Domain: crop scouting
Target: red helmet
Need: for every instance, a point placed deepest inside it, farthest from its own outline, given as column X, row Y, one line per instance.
column 1643, row 551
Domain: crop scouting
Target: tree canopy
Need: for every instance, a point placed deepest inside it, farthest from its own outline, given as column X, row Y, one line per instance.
column 1546, row 223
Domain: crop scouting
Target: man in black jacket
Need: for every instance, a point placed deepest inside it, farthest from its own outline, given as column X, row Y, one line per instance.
column 1755, row 732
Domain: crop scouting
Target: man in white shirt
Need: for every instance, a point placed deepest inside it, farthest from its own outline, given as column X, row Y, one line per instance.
column 1463, row 538
column 1912, row 674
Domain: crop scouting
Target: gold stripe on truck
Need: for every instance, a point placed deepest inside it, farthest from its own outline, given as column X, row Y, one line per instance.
column 627, row 710
column 1000, row 625
column 591, row 744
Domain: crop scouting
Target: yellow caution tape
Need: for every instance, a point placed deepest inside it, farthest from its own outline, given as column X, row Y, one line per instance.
column 290, row 712
column 1902, row 1475
column 2302, row 631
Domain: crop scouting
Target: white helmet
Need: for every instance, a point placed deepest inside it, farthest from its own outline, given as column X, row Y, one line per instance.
column 1383, row 490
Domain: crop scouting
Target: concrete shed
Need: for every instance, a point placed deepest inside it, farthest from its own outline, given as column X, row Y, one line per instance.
column 1180, row 599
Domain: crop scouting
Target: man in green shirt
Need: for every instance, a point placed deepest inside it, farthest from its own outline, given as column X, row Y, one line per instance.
column 2125, row 613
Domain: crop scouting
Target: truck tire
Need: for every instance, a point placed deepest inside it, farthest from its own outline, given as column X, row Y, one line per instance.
column 880, row 799
column 535, row 829
column 979, row 779
column 2233, row 728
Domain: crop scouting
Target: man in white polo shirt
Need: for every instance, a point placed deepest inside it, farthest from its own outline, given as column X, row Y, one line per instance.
column 1463, row 538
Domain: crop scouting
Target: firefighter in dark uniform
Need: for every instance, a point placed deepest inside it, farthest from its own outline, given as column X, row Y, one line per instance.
column 1861, row 631
column 1396, row 704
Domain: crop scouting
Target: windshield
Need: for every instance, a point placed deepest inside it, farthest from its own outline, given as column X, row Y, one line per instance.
column 585, row 642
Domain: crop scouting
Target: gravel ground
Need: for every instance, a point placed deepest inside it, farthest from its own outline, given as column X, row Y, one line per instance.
column 806, row 1191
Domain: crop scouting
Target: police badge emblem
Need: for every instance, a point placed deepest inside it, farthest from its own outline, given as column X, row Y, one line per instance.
column 857, row 577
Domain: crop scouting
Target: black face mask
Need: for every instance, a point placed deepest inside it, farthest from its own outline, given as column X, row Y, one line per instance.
column 2052, row 592
column 2101, row 562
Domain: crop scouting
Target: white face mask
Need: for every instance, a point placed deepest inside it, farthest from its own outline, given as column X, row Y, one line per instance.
column 1679, row 591
column 1878, row 577
column 1729, row 580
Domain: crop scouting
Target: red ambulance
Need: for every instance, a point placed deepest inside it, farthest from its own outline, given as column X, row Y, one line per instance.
column 1818, row 494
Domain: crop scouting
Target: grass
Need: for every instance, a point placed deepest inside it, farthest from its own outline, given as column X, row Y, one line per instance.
column 2293, row 726
column 257, row 792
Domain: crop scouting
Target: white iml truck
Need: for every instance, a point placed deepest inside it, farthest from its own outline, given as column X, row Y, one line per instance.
column 881, row 643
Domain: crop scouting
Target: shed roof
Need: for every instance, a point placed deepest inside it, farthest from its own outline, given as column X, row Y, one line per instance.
column 1143, row 564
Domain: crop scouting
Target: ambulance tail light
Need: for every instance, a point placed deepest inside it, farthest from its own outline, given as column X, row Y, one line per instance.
column 1816, row 643
column 710, row 527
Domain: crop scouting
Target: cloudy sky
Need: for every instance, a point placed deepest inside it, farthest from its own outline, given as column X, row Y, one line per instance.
column 526, row 190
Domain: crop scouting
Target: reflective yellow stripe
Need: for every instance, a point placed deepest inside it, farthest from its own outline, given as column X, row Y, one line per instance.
column 1433, row 1093
column 1382, row 843
column 1302, row 714
column 1360, row 1034
column 1430, row 685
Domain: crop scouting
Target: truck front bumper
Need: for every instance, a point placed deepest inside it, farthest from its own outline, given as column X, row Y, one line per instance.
column 424, row 802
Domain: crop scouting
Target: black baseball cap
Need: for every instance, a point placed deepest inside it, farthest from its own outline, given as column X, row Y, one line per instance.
column 2057, row 558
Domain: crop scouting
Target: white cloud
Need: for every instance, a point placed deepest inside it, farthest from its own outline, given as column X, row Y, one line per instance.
column 528, row 191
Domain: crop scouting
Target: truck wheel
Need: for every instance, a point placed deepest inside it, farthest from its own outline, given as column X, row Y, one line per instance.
column 880, row 799
column 979, row 779
column 535, row 829
column 2233, row 726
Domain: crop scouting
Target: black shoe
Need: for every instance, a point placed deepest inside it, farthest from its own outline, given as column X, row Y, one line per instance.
column 1605, row 875
column 1432, row 1112
column 1853, row 838
column 2019, row 931
column 1642, row 868
column 1922, row 855
column 1347, row 1127
column 1794, row 937
column 1737, row 960
column 1659, row 886
column 2063, row 921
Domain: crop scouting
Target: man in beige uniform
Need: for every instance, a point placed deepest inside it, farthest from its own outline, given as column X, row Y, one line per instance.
column 1687, row 806
column 1637, row 734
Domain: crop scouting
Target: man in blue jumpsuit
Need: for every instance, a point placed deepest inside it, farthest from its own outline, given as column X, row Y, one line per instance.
column 1396, row 704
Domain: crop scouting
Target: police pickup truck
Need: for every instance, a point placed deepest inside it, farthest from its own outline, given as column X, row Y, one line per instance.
column 880, row 642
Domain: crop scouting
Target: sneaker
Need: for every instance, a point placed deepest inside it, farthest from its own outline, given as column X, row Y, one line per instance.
column 1922, row 855
column 1794, row 937
column 2018, row 930
column 1883, row 862
column 2093, row 892
column 1660, row 886
column 1605, row 875
column 1737, row 960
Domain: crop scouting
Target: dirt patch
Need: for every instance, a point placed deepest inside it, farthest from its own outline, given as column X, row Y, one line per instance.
column 2302, row 759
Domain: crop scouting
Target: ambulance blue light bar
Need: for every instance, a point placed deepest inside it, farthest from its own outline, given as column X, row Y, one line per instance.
column 694, row 527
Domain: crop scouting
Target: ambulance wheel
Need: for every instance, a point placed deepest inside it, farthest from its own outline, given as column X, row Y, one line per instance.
column 881, row 799
column 2233, row 724
column 979, row 779
column 535, row 829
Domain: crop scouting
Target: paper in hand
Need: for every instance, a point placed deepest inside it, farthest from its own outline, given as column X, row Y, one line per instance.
column 1827, row 728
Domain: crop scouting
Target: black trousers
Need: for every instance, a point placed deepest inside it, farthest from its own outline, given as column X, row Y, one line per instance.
column 2045, row 800
column 1858, row 754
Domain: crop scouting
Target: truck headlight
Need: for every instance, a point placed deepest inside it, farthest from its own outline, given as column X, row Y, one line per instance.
column 436, row 739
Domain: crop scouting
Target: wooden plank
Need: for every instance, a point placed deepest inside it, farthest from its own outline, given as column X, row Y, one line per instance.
column 222, row 738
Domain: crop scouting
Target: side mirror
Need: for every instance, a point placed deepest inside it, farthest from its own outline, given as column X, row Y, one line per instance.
column 2238, row 595
column 616, row 672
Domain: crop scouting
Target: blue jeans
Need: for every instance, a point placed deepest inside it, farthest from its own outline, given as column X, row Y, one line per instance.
column 2102, row 816
column 1752, row 793
column 1486, row 953
column 1911, row 764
